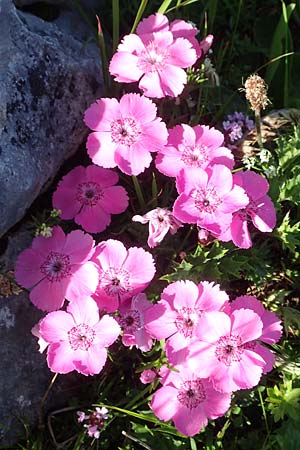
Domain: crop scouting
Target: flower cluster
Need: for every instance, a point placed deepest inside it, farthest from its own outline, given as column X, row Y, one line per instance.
column 95, row 291
column 94, row 421
column 215, row 346
column 235, row 127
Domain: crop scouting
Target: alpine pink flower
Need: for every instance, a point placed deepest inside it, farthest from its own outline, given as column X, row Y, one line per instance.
column 78, row 338
column 58, row 267
column 161, row 220
column 180, row 312
column 179, row 28
column 226, row 351
column 272, row 328
column 155, row 59
column 131, row 321
column 260, row 208
column 187, row 147
column 189, row 401
column 122, row 273
column 88, row 195
column 125, row 132
column 208, row 198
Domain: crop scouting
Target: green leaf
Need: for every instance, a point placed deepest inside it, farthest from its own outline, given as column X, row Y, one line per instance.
column 277, row 47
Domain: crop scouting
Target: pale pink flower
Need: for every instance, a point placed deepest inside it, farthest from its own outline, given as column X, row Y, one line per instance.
column 180, row 312
column 179, row 28
column 260, row 209
column 189, row 401
column 35, row 330
column 208, row 198
column 156, row 59
column 226, row 351
column 88, row 195
column 125, row 133
column 131, row 321
column 148, row 376
column 272, row 328
column 160, row 220
column 58, row 267
column 188, row 147
column 122, row 273
column 78, row 338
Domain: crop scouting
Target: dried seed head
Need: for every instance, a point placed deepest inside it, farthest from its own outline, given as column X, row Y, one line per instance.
column 256, row 92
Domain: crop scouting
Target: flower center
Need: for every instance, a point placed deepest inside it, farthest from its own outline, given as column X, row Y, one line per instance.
column 191, row 393
column 81, row 337
column 229, row 349
column 125, row 131
column 196, row 156
column 89, row 193
column 206, row 200
column 115, row 282
column 186, row 320
column 56, row 267
column 131, row 321
column 153, row 58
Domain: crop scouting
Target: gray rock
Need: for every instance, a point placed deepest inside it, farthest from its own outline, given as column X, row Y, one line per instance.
column 24, row 375
column 47, row 80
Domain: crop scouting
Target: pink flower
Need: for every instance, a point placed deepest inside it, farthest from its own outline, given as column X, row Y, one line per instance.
column 58, row 267
column 208, row 198
column 187, row 147
column 131, row 321
column 180, row 312
column 260, row 209
column 189, row 401
column 125, row 133
column 77, row 338
column 122, row 273
column 155, row 59
column 226, row 351
column 160, row 222
column 148, row 376
column 272, row 328
column 88, row 194
column 179, row 28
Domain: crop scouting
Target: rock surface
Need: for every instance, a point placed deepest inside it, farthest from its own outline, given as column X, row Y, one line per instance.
column 24, row 375
column 47, row 79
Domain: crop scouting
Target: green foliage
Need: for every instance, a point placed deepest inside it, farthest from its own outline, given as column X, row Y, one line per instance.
column 289, row 234
column 284, row 401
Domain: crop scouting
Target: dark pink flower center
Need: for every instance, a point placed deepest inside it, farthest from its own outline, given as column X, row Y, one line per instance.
column 81, row 337
column 115, row 282
column 229, row 349
column 206, row 200
column 131, row 321
column 186, row 320
column 194, row 156
column 125, row 131
column 249, row 210
column 56, row 267
column 89, row 193
column 191, row 393
column 153, row 58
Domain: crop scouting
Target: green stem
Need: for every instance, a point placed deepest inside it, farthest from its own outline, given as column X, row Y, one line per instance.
column 116, row 23
column 138, row 191
column 263, row 411
column 258, row 128
column 102, row 47
column 139, row 15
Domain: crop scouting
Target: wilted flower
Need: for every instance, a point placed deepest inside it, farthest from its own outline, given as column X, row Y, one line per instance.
column 256, row 92
column 161, row 220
